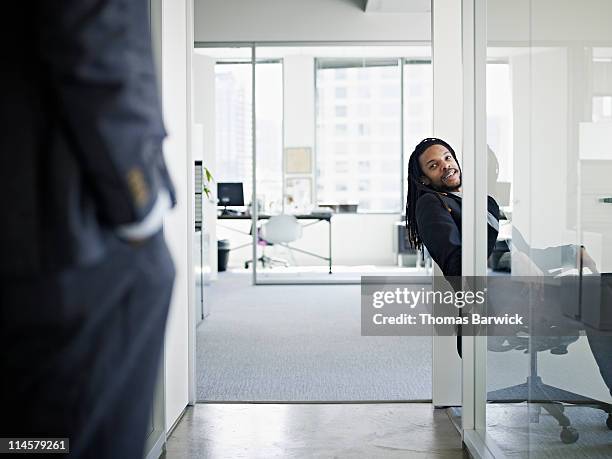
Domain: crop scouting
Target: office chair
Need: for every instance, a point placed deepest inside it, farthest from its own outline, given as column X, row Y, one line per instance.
column 281, row 230
column 534, row 390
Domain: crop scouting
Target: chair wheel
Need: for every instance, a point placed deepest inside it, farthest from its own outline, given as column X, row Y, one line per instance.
column 609, row 421
column 569, row 435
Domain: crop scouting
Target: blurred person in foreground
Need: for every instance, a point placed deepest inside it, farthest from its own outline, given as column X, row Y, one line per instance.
column 85, row 275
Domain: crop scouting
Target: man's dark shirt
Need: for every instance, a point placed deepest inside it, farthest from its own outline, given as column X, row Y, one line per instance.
column 440, row 229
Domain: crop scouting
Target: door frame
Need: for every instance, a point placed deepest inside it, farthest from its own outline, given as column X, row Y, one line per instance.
column 474, row 233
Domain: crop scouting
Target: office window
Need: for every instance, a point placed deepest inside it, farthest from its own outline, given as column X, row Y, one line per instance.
column 357, row 120
column 364, row 166
column 341, row 129
column 362, row 74
column 390, row 187
column 418, row 107
column 391, row 91
column 364, row 185
column 388, row 73
column 369, row 89
column 363, row 129
column 388, row 130
column 340, row 111
column 363, row 110
column 363, row 149
column 363, row 92
column 233, row 135
column 387, row 164
column 340, row 148
column 342, row 167
column 500, row 118
column 389, row 110
column 602, row 108
column 269, row 106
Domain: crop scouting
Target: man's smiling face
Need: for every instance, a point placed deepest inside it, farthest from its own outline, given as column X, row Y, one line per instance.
column 440, row 169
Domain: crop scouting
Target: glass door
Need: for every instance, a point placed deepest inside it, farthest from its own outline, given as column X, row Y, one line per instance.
column 548, row 120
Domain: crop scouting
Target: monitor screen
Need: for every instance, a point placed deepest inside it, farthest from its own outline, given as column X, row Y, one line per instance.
column 230, row 194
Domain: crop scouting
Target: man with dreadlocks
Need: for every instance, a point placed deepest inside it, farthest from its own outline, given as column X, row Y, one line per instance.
column 433, row 219
column 433, row 208
column 433, row 205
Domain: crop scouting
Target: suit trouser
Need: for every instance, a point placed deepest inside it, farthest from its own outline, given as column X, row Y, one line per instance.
column 601, row 346
column 80, row 350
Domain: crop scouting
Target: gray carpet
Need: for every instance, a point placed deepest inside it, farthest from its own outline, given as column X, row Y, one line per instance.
column 301, row 343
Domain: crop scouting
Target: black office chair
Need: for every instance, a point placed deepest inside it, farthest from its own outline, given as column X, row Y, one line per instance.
column 534, row 390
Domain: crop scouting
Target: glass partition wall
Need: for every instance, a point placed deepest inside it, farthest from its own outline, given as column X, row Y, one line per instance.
column 548, row 151
column 321, row 143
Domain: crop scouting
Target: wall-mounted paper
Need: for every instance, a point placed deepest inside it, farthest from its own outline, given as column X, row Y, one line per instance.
column 298, row 160
column 596, row 140
column 298, row 191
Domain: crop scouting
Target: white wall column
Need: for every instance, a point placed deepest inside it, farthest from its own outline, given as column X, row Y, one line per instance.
column 474, row 203
column 178, row 225
column 299, row 108
column 447, row 124
column 299, row 101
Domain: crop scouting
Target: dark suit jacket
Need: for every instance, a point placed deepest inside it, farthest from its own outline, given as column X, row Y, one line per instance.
column 81, row 130
column 440, row 230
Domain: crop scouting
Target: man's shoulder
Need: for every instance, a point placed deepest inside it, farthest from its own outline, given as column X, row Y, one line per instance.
column 429, row 203
column 426, row 199
column 424, row 202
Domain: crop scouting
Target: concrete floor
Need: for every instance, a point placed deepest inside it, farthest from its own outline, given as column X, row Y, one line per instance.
column 387, row 430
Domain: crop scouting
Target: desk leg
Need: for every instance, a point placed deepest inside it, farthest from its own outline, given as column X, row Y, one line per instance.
column 330, row 247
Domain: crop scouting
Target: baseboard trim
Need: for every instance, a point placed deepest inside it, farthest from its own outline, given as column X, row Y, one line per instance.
column 158, row 448
column 306, row 402
column 481, row 448
column 176, row 423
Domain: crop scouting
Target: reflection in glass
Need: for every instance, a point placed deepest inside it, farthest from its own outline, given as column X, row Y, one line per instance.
column 549, row 113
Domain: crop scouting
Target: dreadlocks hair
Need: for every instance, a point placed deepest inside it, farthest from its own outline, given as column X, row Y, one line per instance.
column 416, row 188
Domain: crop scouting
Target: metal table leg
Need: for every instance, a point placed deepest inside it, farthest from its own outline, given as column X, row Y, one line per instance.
column 330, row 246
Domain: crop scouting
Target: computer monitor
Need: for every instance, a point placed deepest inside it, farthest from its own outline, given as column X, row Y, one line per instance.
column 230, row 194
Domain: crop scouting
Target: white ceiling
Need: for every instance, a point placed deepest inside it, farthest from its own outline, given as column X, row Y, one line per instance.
column 398, row 6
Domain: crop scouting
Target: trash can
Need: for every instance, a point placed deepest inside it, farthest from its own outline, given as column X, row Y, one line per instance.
column 223, row 250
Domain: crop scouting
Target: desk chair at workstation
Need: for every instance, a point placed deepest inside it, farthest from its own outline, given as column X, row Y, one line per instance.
column 554, row 336
column 278, row 230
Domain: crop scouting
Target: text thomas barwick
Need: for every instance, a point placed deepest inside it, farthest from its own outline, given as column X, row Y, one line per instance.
column 429, row 319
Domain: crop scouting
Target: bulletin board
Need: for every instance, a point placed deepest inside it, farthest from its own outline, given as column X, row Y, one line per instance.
column 298, row 160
